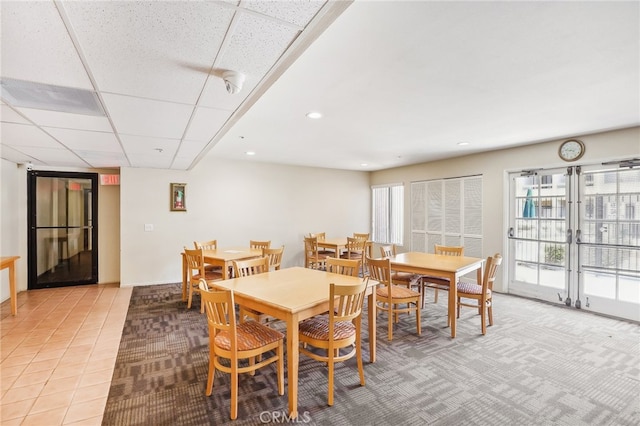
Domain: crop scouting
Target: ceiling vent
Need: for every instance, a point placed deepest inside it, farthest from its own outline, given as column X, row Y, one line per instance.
column 27, row 94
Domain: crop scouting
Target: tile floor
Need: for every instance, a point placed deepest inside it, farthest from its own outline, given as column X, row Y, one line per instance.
column 57, row 355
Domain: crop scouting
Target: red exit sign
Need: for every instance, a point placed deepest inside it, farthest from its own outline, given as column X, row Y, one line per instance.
column 109, row 179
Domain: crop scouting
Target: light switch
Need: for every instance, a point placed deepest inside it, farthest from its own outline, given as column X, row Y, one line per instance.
column 148, row 227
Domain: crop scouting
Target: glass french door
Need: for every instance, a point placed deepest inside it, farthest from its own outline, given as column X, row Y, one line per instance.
column 62, row 209
column 574, row 238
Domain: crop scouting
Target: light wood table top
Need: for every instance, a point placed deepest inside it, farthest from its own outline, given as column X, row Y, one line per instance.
column 292, row 295
column 438, row 265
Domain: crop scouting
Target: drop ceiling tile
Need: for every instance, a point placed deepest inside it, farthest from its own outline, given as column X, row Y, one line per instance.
column 37, row 47
column 215, row 94
column 144, row 160
column 182, row 163
column 67, row 120
column 190, row 148
column 14, row 155
column 54, row 156
column 159, row 50
column 298, row 12
column 104, row 159
column 26, row 135
column 144, row 117
column 141, row 145
column 252, row 55
column 205, row 123
column 86, row 140
column 8, row 115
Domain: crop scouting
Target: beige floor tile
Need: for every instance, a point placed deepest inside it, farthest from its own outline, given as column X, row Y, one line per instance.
column 60, row 385
column 16, row 409
column 96, row 377
column 33, row 378
column 67, row 370
column 85, row 410
column 51, row 417
column 47, row 364
column 53, row 401
column 16, row 394
column 93, row 421
column 87, row 393
column 17, row 360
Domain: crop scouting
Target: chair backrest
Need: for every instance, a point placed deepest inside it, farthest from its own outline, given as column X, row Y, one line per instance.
column 221, row 312
column 361, row 236
column 274, row 255
column 195, row 262
column 320, row 235
column 355, row 246
column 244, row 268
column 448, row 250
column 388, row 250
column 349, row 267
column 311, row 248
column 490, row 271
column 347, row 302
column 259, row 244
column 206, row 245
column 380, row 270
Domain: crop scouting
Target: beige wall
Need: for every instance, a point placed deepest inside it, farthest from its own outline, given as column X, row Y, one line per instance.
column 233, row 202
column 495, row 165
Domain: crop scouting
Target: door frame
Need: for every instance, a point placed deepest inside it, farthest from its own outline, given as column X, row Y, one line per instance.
column 32, row 256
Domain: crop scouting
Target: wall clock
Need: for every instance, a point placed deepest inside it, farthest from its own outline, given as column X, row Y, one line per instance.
column 571, row 150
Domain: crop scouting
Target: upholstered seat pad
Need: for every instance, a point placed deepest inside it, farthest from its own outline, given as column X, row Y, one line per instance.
column 209, row 275
column 318, row 328
column 251, row 335
column 396, row 292
column 436, row 280
column 471, row 288
column 404, row 276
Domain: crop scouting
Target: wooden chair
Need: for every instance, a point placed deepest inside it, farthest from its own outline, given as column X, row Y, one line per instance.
column 343, row 266
column 361, row 236
column 390, row 296
column 321, row 237
column 406, row 279
column 439, row 283
column 244, row 268
column 259, row 244
column 234, row 342
column 340, row 328
column 275, row 257
column 195, row 271
column 208, row 245
column 355, row 249
column 312, row 258
column 481, row 292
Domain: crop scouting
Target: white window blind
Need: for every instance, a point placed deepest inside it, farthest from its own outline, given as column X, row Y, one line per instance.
column 387, row 216
column 448, row 212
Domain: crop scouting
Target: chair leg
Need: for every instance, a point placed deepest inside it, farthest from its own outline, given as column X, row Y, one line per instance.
column 331, row 365
column 490, row 312
column 390, row 316
column 234, row 389
column 359, row 353
column 190, row 296
column 280, row 368
column 435, row 295
column 211, row 375
column 418, row 325
column 483, row 319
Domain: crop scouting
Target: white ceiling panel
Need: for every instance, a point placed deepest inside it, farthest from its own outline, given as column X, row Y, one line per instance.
column 150, row 146
column 13, row 155
column 36, row 46
column 205, row 123
column 86, row 140
column 297, row 12
column 54, row 156
column 8, row 115
column 104, row 159
column 215, row 94
column 145, row 117
column 66, row 120
column 190, row 148
column 155, row 50
column 158, row 162
column 21, row 135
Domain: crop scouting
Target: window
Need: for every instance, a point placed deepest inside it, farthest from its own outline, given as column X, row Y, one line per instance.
column 387, row 216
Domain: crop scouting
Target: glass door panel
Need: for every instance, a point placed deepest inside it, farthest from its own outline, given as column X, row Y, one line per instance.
column 61, row 232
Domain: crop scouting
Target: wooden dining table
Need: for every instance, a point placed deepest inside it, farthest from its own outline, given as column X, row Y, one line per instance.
column 222, row 257
column 334, row 244
column 10, row 262
column 438, row 265
column 292, row 295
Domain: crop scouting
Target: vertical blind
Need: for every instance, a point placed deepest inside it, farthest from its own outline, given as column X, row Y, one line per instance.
column 387, row 216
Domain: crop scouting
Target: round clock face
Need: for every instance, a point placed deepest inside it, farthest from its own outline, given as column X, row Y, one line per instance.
column 571, row 150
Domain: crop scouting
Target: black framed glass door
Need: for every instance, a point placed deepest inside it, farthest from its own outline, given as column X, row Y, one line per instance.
column 63, row 232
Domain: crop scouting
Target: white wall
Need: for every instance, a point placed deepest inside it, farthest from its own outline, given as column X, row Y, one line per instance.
column 495, row 165
column 10, row 223
column 233, row 202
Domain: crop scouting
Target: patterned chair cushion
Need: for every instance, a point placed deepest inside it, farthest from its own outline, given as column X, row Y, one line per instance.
column 251, row 335
column 396, row 292
column 404, row 277
column 318, row 328
column 471, row 288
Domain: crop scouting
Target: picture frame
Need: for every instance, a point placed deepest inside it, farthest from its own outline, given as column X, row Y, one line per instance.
column 178, row 197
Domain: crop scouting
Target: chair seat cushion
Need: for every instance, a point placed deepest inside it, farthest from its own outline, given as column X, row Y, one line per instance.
column 318, row 328
column 397, row 292
column 437, row 282
column 404, row 277
column 251, row 335
column 471, row 288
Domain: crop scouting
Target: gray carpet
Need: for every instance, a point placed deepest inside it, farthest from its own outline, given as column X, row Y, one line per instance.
column 538, row 365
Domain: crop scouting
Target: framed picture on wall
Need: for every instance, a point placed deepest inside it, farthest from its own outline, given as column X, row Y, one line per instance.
column 178, row 197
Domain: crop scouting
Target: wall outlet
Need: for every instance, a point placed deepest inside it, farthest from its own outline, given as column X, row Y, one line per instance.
column 148, row 227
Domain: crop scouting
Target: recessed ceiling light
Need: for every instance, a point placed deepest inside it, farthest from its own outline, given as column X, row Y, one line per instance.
column 314, row 115
column 364, row 164
column 463, row 143
column 250, row 153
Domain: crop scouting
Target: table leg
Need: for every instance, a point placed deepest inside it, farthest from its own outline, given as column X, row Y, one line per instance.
column 372, row 325
column 453, row 298
column 12, row 288
column 293, row 358
column 184, row 277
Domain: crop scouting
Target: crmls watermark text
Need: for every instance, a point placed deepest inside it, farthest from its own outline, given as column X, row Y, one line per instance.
column 283, row 417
